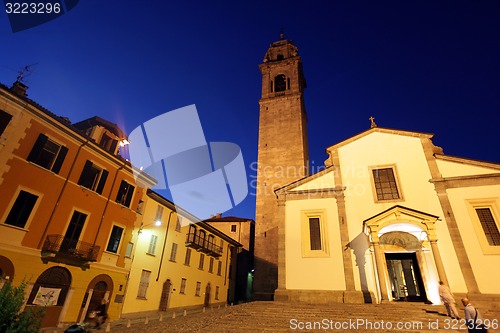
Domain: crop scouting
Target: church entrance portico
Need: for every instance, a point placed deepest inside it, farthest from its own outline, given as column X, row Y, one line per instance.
column 407, row 261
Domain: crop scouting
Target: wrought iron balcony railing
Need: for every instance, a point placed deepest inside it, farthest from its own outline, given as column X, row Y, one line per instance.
column 59, row 246
column 203, row 245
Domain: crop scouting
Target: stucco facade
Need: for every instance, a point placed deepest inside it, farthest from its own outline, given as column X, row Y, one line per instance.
column 388, row 218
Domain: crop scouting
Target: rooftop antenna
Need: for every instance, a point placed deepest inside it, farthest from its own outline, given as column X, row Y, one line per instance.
column 24, row 73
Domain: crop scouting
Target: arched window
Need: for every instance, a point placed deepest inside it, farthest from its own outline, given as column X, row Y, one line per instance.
column 280, row 83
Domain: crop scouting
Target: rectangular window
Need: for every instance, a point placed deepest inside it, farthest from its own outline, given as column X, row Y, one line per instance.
column 489, row 225
column 114, row 239
column 125, row 193
column 128, row 252
column 72, row 235
column 159, row 213
column 219, row 268
column 385, row 184
column 314, row 233
column 178, row 224
column 183, row 286
column 48, row 154
column 211, row 265
column 173, row 253
column 233, row 227
column 216, row 292
column 144, row 284
column 202, row 261
column 198, row 288
column 152, row 244
column 187, row 258
column 21, row 210
column 314, row 236
column 93, row 177
column 4, row 120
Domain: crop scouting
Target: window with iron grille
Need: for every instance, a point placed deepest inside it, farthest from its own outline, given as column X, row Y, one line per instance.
column 48, row 154
column 385, row 184
column 114, row 239
column 21, row 210
column 489, row 225
column 93, row 177
column 143, row 284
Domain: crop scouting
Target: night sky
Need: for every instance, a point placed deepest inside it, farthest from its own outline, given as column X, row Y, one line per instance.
column 427, row 66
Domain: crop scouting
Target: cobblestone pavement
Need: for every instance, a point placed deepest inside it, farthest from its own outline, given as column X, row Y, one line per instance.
column 279, row 317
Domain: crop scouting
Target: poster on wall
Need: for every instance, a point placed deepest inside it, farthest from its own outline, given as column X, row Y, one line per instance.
column 47, row 296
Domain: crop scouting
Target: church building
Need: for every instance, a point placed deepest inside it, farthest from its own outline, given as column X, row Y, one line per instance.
column 388, row 218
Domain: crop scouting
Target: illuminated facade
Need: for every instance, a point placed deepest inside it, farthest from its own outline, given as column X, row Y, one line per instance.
column 69, row 207
column 178, row 264
column 389, row 217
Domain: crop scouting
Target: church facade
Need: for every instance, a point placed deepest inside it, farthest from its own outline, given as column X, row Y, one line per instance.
column 388, row 218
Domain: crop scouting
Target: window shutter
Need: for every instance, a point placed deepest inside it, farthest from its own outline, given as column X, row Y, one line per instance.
column 102, row 181
column 60, row 159
column 37, row 148
column 130, row 192
column 85, row 171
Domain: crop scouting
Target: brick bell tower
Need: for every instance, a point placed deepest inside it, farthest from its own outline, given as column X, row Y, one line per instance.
column 283, row 155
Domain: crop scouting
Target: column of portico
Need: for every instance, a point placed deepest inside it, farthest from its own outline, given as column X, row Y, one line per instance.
column 379, row 261
column 432, row 237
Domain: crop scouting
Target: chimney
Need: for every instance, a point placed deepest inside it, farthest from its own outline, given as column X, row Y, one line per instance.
column 218, row 215
column 19, row 89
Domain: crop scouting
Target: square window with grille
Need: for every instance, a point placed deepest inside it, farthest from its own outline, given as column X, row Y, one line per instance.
column 385, row 184
column 489, row 225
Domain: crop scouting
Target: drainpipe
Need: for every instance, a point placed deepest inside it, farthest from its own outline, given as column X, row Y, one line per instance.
column 40, row 243
column 107, row 203
column 164, row 244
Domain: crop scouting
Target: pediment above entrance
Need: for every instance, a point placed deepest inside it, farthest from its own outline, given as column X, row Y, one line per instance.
column 400, row 214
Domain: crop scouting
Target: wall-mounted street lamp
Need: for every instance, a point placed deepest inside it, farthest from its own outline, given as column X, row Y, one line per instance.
column 155, row 223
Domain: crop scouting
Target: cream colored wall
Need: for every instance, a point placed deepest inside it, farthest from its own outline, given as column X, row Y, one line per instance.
column 412, row 172
column 454, row 169
column 313, row 273
column 485, row 265
column 174, row 271
column 324, row 181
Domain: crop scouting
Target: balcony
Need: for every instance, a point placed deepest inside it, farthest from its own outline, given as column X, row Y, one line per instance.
column 66, row 250
column 201, row 244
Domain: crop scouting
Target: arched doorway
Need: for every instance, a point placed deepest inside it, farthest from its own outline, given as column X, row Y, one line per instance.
column 50, row 290
column 165, row 293
column 100, row 287
column 207, row 295
column 6, row 270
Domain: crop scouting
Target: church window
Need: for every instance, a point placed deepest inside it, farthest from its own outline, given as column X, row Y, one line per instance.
column 314, row 235
column 280, row 83
column 489, row 225
column 385, row 184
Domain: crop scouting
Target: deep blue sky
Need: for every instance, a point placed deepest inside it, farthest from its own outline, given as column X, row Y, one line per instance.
column 429, row 66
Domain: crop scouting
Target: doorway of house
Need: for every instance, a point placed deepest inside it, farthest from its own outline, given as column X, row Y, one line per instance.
column 165, row 293
column 405, row 277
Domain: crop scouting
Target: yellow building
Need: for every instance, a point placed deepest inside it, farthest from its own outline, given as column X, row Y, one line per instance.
column 69, row 206
column 389, row 217
column 178, row 264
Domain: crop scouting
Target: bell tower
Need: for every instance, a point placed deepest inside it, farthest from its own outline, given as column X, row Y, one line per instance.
column 283, row 155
